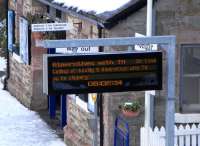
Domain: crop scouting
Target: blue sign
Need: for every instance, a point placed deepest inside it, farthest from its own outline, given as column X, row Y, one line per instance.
column 10, row 30
column 23, row 40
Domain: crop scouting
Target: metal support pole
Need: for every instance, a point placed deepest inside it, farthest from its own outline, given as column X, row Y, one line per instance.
column 100, row 97
column 149, row 17
column 52, row 99
column 52, row 106
column 63, row 112
column 148, row 94
column 170, row 105
column 95, row 134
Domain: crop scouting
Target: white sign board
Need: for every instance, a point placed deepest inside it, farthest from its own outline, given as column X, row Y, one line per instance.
column 51, row 27
column 78, row 50
column 145, row 47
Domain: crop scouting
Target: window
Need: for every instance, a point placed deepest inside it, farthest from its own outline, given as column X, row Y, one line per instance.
column 21, row 48
column 11, row 29
column 58, row 13
column 190, row 78
column 48, row 9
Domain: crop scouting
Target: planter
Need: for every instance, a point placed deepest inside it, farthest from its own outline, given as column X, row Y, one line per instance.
column 130, row 113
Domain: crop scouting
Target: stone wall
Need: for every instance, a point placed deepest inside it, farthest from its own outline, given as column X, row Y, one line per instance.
column 39, row 99
column 26, row 78
column 20, row 78
column 126, row 28
column 77, row 132
column 179, row 18
column 111, row 112
column 173, row 17
column 20, row 81
column 38, row 8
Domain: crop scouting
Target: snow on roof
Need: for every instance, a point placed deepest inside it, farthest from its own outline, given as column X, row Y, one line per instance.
column 99, row 6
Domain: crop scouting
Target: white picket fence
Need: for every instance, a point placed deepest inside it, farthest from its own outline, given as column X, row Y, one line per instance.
column 184, row 136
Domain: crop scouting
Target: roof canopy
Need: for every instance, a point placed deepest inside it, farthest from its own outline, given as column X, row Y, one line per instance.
column 105, row 13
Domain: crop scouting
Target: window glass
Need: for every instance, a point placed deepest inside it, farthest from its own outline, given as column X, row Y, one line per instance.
column 190, row 77
column 48, row 9
column 58, row 13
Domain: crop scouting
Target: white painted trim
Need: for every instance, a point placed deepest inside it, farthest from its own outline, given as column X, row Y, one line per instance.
column 72, row 96
column 17, row 58
column 187, row 118
column 81, row 103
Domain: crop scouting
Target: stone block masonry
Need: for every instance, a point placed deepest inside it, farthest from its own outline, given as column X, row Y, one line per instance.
column 25, row 80
column 20, row 83
column 77, row 132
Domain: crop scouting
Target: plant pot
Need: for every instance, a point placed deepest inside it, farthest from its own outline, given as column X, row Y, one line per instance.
column 130, row 113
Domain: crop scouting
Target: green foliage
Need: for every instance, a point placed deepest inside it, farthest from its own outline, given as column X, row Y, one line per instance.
column 130, row 106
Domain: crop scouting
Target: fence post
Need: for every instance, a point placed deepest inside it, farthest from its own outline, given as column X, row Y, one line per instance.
column 51, row 98
column 63, row 112
column 52, row 106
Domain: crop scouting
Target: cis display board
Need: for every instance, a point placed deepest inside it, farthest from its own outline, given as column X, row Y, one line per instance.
column 97, row 73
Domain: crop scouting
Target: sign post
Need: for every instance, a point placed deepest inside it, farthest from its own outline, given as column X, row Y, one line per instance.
column 170, row 53
column 95, row 132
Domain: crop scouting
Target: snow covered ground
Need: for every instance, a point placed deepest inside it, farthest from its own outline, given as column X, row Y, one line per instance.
column 21, row 127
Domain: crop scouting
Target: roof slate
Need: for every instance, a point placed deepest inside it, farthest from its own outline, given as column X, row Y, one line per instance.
column 106, row 19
